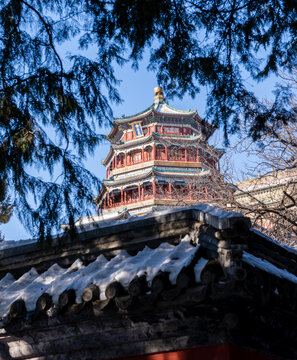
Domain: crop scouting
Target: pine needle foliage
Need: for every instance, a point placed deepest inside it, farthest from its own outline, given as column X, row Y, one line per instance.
column 49, row 113
column 6, row 206
column 218, row 44
column 51, row 105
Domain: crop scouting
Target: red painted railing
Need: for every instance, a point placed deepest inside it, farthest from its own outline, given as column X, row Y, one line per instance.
column 164, row 196
column 129, row 201
column 163, row 158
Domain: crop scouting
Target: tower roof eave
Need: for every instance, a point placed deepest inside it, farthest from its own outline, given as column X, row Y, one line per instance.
column 180, row 175
column 139, row 115
column 128, row 179
column 136, row 141
column 148, row 173
column 100, row 195
column 163, row 108
column 109, row 155
column 146, row 139
column 112, row 131
column 159, row 108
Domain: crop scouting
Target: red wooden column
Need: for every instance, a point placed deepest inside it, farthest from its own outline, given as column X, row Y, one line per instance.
column 166, row 152
column 139, row 192
column 186, row 155
column 121, row 196
column 154, row 152
column 142, row 154
column 125, row 197
column 125, row 158
column 106, row 173
column 107, row 198
column 170, row 189
column 115, row 161
column 197, row 156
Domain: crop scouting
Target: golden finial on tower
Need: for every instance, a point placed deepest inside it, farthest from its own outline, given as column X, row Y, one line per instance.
column 158, row 94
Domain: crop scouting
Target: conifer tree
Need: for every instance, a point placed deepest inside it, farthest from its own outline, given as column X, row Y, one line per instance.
column 51, row 106
column 6, row 207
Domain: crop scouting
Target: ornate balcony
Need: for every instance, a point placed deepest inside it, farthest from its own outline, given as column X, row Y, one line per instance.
column 153, row 191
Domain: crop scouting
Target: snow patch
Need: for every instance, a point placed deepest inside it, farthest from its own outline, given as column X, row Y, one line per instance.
column 6, row 281
column 101, row 272
column 15, row 291
column 207, row 214
column 268, row 267
column 39, row 285
column 6, row 244
column 270, row 239
column 198, row 268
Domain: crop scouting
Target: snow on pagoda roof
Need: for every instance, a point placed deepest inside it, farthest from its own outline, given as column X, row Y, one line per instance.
column 113, row 181
column 181, row 173
column 161, row 107
column 135, row 116
column 144, row 139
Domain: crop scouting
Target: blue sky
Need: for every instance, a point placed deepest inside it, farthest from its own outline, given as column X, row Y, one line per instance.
column 137, row 92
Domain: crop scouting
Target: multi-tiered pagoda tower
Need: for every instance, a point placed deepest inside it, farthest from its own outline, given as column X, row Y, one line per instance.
column 158, row 158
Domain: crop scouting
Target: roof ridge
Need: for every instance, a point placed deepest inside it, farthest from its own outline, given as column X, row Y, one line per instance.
column 178, row 110
column 131, row 116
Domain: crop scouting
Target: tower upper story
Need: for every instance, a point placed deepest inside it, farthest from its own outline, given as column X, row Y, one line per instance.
column 159, row 122
column 155, row 155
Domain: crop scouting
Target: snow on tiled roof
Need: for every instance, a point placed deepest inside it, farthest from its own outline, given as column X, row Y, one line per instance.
column 184, row 272
column 135, row 116
column 149, row 264
column 164, row 108
column 160, row 107
column 268, row 267
column 123, row 268
column 271, row 240
column 206, row 213
column 14, row 243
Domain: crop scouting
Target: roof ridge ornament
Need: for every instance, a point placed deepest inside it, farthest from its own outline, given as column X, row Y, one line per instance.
column 159, row 97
